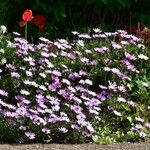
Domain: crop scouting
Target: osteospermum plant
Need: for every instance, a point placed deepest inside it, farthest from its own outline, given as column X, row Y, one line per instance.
column 92, row 89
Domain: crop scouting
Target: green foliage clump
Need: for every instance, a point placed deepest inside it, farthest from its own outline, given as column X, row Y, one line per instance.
column 65, row 16
column 93, row 88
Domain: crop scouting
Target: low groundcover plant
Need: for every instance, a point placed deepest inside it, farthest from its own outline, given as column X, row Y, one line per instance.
column 91, row 89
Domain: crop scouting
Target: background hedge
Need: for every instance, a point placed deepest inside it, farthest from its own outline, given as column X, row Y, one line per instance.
column 68, row 15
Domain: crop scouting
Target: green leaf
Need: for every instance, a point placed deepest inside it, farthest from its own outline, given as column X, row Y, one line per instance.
column 95, row 138
column 129, row 86
column 130, row 119
column 105, row 2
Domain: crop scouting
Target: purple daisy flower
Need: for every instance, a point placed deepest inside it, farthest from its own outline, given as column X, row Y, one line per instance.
column 30, row 135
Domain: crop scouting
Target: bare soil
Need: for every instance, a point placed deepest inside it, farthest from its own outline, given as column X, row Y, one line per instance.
column 88, row 146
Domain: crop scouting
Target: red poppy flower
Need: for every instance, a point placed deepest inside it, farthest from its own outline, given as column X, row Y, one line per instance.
column 27, row 15
column 39, row 21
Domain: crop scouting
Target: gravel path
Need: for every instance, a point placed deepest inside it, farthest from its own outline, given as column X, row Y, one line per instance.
column 115, row 146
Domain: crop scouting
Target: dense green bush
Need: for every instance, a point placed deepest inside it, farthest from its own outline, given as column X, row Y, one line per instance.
column 90, row 89
column 64, row 16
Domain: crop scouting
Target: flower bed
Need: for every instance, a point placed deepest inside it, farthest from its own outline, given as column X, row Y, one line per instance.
column 91, row 89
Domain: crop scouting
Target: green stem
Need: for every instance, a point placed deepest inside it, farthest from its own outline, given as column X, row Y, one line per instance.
column 26, row 28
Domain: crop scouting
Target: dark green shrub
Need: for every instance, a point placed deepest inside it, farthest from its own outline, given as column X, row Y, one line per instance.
column 64, row 16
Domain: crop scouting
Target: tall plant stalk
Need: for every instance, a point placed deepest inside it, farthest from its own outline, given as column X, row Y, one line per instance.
column 26, row 32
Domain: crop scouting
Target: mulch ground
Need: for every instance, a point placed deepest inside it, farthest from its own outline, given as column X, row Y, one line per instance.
column 90, row 146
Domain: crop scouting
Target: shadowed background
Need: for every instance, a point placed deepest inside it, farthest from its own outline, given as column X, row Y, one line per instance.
column 67, row 15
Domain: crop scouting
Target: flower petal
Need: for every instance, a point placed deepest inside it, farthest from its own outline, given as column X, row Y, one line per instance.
column 22, row 23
